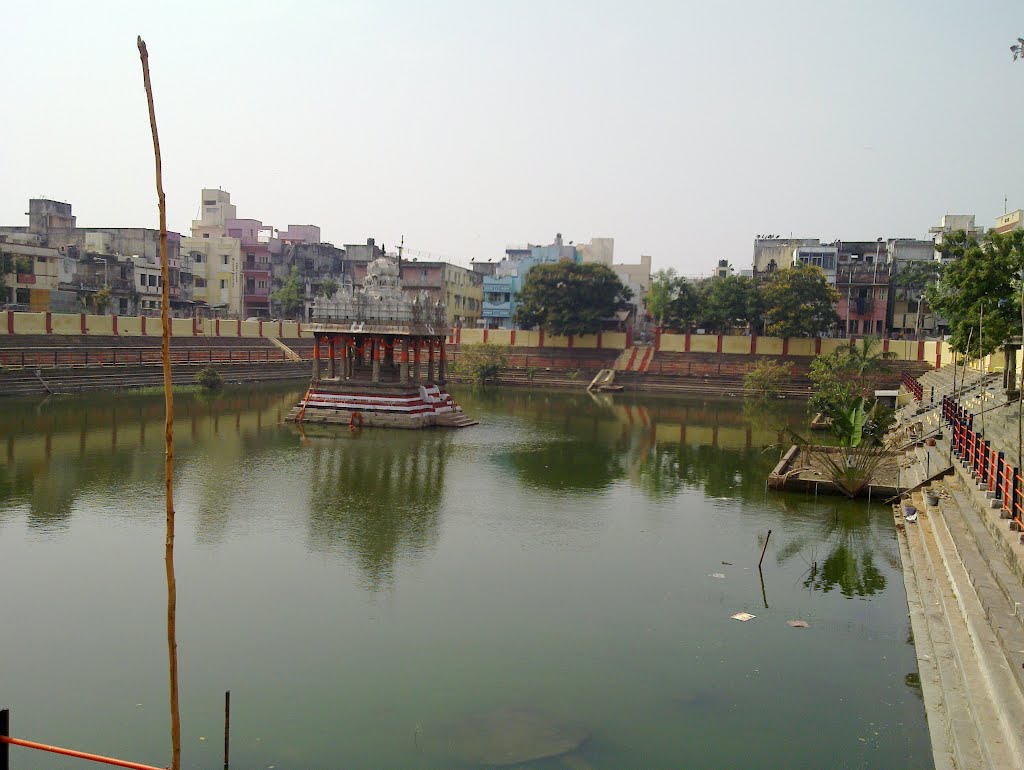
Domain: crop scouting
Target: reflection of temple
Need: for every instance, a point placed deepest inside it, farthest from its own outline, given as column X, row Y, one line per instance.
column 378, row 500
column 385, row 358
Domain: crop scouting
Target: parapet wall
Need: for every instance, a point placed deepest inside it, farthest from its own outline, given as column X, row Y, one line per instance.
column 935, row 353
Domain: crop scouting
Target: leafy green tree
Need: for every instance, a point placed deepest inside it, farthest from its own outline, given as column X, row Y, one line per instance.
column 845, row 375
column 328, row 288
column 291, row 295
column 567, row 298
column 912, row 279
column 101, row 300
column 798, row 302
column 983, row 279
column 732, row 301
column 767, row 379
column 683, row 310
column 663, row 289
column 481, row 362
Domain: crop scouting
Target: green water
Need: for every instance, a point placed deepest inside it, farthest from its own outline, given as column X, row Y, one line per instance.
column 360, row 593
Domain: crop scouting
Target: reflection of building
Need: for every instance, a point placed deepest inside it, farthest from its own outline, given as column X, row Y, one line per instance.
column 378, row 500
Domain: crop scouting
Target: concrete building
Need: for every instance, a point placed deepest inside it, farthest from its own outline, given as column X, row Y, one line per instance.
column 951, row 223
column 909, row 313
column 1014, row 220
column 216, row 258
column 501, row 288
column 635, row 276
column 825, row 257
column 315, row 262
column 862, row 280
column 254, row 238
column 460, row 290
column 773, row 253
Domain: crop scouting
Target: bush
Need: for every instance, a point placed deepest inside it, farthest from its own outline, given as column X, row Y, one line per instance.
column 481, row 362
column 209, row 378
column 767, row 378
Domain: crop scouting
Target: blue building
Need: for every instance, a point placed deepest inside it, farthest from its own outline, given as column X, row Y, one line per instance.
column 501, row 288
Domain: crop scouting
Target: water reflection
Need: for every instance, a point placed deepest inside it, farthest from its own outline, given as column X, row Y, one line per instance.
column 376, row 495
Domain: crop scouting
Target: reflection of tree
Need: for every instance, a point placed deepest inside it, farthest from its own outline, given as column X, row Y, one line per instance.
column 719, row 472
column 579, row 466
column 378, row 496
column 850, row 564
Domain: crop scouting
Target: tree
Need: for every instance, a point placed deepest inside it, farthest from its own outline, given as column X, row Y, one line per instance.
column 982, row 280
column 798, row 302
column 1017, row 49
column 481, row 362
column 767, row 379
column 328, row 288
column 663, row 290
column 568, row 298
column 731, row 301
column 101, row 300
column 844, row 375
column 684, row 311
column 291, row 295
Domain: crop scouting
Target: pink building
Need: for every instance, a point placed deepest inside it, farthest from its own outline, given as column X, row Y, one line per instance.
column 256, row 274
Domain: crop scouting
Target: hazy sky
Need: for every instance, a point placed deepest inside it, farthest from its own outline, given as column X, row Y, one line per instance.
column 681, row 129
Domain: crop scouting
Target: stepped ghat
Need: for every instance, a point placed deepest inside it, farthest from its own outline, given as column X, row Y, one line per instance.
column 963, row 561
column 385, row 358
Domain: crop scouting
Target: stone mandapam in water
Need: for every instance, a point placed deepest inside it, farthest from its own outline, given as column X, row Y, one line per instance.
column 508, row 737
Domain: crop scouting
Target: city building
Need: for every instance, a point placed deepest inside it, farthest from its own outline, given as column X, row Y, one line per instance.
column 862, row 280
column 909, row 314
column 254, row 238
column 501, row 288
column 951, row 223
column 459, row 289
column 216, row 258
column 824, row 257
column 635, row 276
column 1013, row 220
column 773, row 253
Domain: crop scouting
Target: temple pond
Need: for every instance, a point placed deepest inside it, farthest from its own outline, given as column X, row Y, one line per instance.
column 367, row 595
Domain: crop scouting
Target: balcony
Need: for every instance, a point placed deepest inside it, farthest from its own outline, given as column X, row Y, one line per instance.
column 497, row 309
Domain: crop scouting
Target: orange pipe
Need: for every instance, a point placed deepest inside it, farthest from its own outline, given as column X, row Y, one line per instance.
column 76, row 754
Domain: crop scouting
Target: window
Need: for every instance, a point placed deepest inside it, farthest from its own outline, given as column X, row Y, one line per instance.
column 261, row 284
column 152, row 280
column 200, row 282
column 206, row 235
column 199, row 259
column 142, row 280
column 225, row 258
column 223, row 283
column 209, row 203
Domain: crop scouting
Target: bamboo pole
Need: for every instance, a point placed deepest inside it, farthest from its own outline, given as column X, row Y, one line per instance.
column 165, row 324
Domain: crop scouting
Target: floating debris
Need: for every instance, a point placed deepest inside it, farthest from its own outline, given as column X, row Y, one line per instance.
column 798, row 624
column 743, row 616
column 718, row 575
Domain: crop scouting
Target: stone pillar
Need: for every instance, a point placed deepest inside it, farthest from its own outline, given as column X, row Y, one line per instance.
column 403, row 370
column 430, row 359
column 375, row 351
column 1010, row 376
column 442, row 365
column 316, row 359
column 417, row 371
column 332, row 354
column 350, row 358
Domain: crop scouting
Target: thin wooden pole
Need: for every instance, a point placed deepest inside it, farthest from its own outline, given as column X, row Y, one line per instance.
column 227, row 727
column 165, row 324
column 769, row 537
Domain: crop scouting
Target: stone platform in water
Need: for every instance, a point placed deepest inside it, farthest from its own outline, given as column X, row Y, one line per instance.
column 361, row 404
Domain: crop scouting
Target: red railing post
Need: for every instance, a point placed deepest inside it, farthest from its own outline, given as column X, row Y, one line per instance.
column 5, row 732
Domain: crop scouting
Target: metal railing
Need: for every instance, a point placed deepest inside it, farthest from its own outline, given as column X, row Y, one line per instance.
column 110, row 356
column 6, row 741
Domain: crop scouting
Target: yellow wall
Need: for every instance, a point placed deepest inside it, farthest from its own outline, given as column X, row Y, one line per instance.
column 585, row 341
column 769, row 346
column 829, row 346
column 801, row 347
column 30, row 323
column 290, row 329
column 612, row 340
column 554, row 341
column 250, row 328
column 671, row 343
column 64, row 323
column 703, row 343
column 100, row 325
column 495, row 336
column 527, row 339
column 735, row 344
column 473, row 336
column 180, row 327
column 130, row 326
